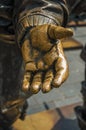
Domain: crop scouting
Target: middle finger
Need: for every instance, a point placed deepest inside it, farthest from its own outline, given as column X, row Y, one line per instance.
column 36, row 83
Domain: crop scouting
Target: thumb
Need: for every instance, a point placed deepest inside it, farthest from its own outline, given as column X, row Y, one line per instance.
column 57, row 32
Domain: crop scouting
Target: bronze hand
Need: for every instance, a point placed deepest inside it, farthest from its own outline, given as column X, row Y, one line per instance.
column 45, row 63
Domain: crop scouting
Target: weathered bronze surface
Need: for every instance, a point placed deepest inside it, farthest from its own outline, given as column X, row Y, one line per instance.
column 45, row 59
column 34, row 26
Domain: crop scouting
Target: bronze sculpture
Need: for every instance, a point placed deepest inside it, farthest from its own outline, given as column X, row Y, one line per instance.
column 29, row 24
column 36, row 28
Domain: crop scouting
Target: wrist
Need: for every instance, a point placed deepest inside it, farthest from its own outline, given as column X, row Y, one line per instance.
column 26, row 23
column 52, row 13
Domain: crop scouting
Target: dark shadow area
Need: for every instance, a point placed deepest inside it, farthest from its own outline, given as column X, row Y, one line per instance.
column 11, row 128
column 10, row 68
column 46, row 106
column 10, row 65
column 83, row 57
column 64, row 123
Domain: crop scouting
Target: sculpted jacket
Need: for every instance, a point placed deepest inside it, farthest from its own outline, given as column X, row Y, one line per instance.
column 15, row 15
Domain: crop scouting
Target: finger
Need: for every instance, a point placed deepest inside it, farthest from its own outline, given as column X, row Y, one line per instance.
column 60, row 76
column 61, row 68
column 26, row 82
column 47, row 82
column 36, row 83
column 57, row 32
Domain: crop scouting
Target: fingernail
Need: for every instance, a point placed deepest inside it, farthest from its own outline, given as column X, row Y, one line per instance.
column 46, row 88
column 25, row 87
column 35, row 89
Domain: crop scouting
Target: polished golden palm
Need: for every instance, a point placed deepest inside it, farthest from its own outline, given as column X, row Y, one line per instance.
column 45, row 63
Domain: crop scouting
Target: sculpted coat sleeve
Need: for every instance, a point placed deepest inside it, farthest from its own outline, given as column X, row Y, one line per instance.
column 38, row 31
column 38, row 12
